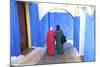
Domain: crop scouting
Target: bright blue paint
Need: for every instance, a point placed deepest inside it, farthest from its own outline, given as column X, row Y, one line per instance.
column 39, row 28
column 14, row 29
column 45, row 26
column 65, row 21
column 76, row 32
column 89, row 50
column 33, row 10
column 70, row 25
column 36, row 28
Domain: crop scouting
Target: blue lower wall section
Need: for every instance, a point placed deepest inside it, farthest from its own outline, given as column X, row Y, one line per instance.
column 89, row 53
column 76, row 32
column 45, row 26
column 33, row 22
column 36, row 30
column 65, row 20
column 39, row 28
column 14, row 30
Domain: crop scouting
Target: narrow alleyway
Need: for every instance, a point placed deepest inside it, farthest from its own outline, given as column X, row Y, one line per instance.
column 70, row 55
column 39, row 56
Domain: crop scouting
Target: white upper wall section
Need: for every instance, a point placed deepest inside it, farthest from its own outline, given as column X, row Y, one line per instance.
column 46, row 5
column 44, row 8
column 58, row 11
column 82, row 2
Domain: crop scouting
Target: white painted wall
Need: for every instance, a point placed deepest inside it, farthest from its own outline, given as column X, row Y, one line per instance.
column 82, row 30
column 46, row 7
column 82, row 2
column 58, row 11
column 90, row 10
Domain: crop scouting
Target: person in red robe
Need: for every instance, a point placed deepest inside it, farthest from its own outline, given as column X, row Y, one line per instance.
column 50, row 42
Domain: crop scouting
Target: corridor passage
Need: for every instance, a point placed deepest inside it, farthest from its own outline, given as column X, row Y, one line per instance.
column 39, row 56
column 70, row 55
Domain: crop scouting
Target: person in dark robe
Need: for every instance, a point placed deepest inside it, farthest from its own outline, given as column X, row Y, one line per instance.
column 51, row 42
column 59, row 45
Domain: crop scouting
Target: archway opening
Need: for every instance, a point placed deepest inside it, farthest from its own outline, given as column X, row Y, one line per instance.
column 59, row 17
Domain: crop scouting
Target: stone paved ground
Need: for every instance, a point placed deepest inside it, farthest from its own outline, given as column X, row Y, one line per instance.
column 70, row 55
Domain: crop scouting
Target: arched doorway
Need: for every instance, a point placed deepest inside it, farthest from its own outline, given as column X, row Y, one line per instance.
column 63, row 18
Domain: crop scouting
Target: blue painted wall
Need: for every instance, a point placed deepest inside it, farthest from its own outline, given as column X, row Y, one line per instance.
column 70, row 25
column 39, row 28
column 89, row 50
column 14, row 29
column 45, row 26
column 76, row 32
column 36, row 30
column 65, row 20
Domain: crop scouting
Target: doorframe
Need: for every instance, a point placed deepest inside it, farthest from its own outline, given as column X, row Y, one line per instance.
column 24, row 24
column 28, row 24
